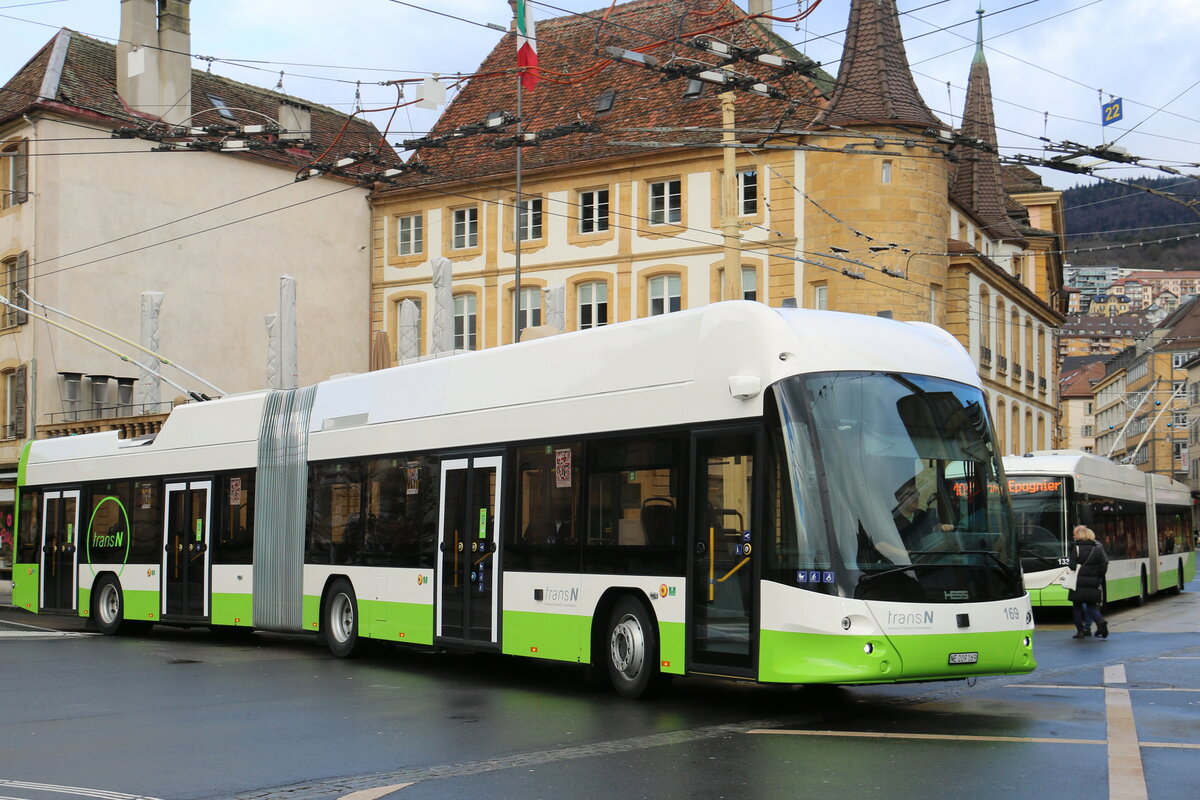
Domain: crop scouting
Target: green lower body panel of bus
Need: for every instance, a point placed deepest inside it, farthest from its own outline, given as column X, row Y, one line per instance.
column 568, row 637
column 232, row 609
column 25, row 586
column 1053, row 595
column 820, row 658
column 139, row 606
column 411, row 623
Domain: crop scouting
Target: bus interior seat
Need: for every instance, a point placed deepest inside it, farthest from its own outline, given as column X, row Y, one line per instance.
column 658, row 520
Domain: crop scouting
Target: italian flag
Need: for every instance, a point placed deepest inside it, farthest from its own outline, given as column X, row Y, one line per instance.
column 527, row 56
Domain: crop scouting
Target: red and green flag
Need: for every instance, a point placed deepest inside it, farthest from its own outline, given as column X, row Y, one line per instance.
column 527, row 55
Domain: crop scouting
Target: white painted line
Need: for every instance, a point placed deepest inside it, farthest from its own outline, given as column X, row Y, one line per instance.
column 938, row 736
column 99, row 794
column 372, row 794
column 1115, row 674
column 1126, row 778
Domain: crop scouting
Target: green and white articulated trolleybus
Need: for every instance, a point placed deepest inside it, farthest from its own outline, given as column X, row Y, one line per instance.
column 1143, row 520
column 728, row 491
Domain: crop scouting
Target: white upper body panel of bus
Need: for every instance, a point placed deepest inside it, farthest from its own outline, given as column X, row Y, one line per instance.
column 1097, row 476
column 708, row 364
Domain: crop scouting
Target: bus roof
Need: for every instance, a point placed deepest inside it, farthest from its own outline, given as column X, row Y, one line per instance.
column 706, row 364
column 1096, row 475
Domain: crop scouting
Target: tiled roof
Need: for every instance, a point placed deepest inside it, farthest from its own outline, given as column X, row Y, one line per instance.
column 1078, row 382
column 1098, row 326
column 87, row 85
column 875, row 83
column 574, row 75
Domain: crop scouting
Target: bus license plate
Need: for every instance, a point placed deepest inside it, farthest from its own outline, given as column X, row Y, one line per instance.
column 964, row 658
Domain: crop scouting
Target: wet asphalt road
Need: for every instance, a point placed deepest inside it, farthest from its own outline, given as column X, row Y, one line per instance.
column 186, row 714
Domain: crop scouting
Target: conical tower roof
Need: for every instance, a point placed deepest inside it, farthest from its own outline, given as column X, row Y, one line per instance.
column 875, row 84
column 978, row 180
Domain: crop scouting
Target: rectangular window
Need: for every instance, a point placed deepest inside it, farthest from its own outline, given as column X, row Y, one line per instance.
column 234, row 522
column 633, row 500
column 821, row 297
column 593, row 211
column 410, row 235
column 749, row 283
column 663, row 291
column 550, row 485
column 465, row 228
column 529, row 219
column 16, row 280
column 747, row 192
column 531, row 307
column 334, row 533
column 885, row 175
column 666, row 202
column 465, row 321
column 14, row 174
column 935, row 301
column 397, row 530
column 593, row 304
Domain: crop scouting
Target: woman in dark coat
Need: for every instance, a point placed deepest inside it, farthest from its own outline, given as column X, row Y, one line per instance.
column 1089, row 557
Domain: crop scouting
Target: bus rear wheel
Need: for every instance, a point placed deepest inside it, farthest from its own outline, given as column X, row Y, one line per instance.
column 1143, row 594
column 108, row 606
column 632, row 651
column 1178, row 587
column 340, row 625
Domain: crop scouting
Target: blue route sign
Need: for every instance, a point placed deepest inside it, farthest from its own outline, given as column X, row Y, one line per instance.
column 1111, row 111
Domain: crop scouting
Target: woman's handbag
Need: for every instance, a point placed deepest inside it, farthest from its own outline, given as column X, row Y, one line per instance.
column 1070, row 578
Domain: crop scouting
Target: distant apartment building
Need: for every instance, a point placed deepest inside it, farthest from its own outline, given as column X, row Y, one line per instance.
column 1077, row 401
column 1140, row 404
column 1088, row 334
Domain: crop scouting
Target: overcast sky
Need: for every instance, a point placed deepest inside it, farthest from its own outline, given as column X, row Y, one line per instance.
column 1049, row 59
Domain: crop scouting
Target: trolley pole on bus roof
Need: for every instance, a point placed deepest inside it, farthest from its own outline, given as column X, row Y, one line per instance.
column 520, row 231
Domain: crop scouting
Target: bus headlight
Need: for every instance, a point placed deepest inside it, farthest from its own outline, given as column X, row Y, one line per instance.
column 868, row 648
column 1026, row 641
column 845, row 623
column 1028, row 617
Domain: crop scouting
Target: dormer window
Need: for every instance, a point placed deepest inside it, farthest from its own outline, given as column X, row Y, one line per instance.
column 605, row 101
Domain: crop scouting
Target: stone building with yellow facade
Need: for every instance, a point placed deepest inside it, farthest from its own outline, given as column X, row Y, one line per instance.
column 848, row 194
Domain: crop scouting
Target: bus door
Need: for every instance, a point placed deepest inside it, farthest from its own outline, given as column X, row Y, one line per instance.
column 60, row 555
column 468, row 567
column 186, row 556
column 724, row 592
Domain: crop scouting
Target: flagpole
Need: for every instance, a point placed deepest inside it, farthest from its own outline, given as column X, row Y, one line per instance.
column 519, row 229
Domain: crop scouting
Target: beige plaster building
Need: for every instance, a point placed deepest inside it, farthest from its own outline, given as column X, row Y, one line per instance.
column 89, row 222
column 843, row 198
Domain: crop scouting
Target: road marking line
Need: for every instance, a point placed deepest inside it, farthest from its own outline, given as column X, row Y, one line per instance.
column 938, row 736
column 101, row 794
column 1179, row 658
column 372, row 794
column 1126, row 777
column 1095, row 688
column 1115, row 674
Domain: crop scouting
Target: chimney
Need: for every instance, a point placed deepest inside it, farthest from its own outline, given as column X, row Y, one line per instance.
column 154, row 58
column 295, row 119
column 762, row 7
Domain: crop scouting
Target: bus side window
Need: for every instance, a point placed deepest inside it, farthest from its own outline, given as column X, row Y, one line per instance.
column 235, row 537
column 146, row 517
column 29, row 527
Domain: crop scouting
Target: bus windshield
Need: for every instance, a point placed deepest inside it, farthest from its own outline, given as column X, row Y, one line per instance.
column 1039, row 508
column 910, row 505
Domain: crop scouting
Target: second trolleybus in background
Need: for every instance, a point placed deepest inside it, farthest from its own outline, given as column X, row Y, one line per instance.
column 1143, row 520
column 761, row 494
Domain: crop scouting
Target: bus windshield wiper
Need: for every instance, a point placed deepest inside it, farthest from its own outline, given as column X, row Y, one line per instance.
column 1044, row 559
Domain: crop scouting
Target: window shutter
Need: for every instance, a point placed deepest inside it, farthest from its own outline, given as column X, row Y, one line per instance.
column 21, row 174
column 21, row 284
column 18, row 420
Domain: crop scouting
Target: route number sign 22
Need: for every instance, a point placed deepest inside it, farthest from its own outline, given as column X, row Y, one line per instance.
column 1112, row 111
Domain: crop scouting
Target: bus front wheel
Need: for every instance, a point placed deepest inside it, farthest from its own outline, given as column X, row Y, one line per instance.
column 108, row 606
column 341, row 619
column 633, row 650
